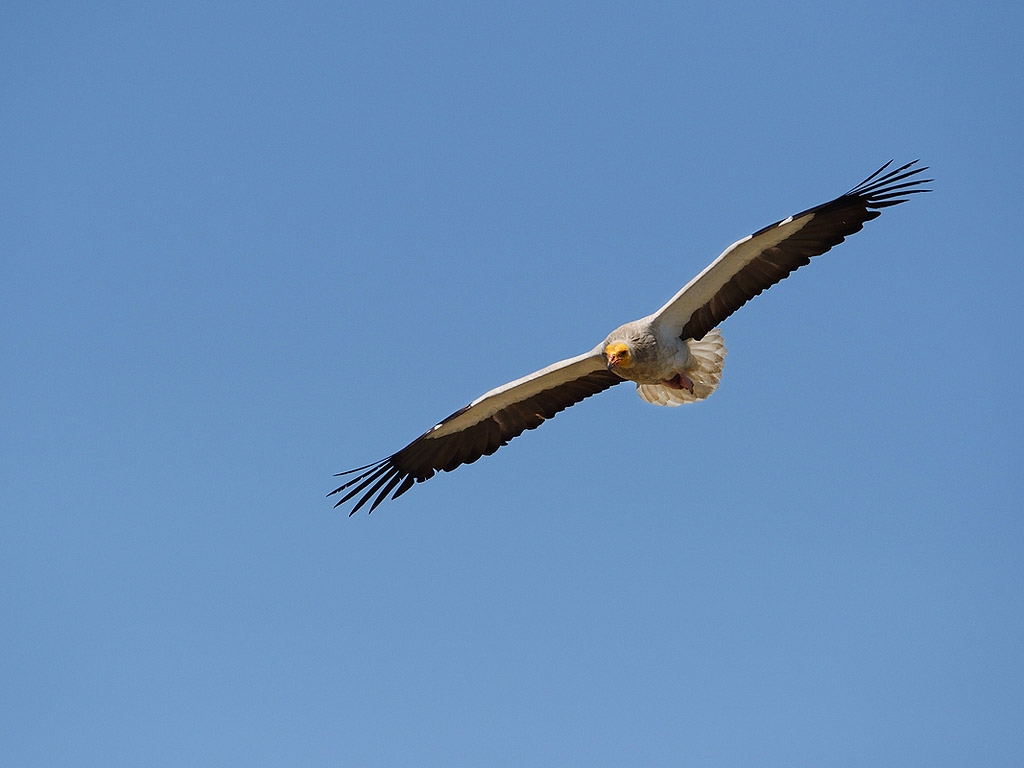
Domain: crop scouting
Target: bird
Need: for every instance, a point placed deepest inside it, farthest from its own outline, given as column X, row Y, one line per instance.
column 674, row 356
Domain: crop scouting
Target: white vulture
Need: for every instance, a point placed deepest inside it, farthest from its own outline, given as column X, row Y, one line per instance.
column 675, row 356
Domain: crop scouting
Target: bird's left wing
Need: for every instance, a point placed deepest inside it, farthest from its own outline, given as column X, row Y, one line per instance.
column 762, row 259
column 482, row 427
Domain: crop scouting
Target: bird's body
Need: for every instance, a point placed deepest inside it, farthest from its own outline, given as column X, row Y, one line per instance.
column 667, row 369
column 654, row 354
column 674, row 356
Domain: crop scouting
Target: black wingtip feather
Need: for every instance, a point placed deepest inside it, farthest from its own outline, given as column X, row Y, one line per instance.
column 880, row 190
column 383, row 478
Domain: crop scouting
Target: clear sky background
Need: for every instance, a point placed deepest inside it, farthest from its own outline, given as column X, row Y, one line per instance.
column 248, row 245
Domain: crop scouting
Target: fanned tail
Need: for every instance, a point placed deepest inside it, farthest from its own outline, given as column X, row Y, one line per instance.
column 705, row 373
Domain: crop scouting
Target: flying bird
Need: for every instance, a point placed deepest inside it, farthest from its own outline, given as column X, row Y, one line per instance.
column 674, row 356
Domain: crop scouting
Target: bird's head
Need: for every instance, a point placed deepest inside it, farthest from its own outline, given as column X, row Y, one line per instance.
column 618, row 355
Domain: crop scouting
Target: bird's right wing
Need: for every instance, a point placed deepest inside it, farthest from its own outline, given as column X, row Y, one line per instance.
column 482, row 427
column 762, row 259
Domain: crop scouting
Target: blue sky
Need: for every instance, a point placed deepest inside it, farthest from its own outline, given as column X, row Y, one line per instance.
column 248, row 245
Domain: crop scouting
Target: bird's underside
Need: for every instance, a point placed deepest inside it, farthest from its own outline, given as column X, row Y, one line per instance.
column 675, row 356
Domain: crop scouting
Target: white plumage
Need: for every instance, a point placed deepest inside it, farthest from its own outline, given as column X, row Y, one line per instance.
column 709, row 357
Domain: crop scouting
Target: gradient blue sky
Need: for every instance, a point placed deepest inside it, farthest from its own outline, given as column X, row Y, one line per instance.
column 247, row 245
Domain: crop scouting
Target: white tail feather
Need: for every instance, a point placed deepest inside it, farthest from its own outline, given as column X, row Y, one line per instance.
column 705, row 372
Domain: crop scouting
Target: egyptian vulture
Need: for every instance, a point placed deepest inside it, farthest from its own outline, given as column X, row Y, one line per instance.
column 674, row 356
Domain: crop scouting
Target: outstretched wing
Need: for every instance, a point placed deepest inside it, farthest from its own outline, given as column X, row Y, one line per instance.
column 762, row 259
column 481, row 428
